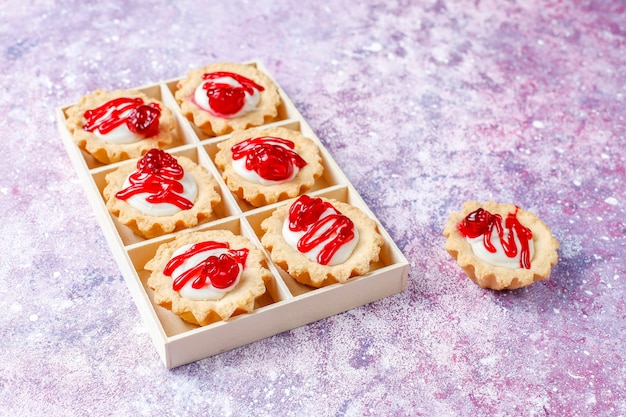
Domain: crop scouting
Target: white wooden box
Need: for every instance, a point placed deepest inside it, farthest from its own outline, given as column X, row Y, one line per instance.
column 287, row 304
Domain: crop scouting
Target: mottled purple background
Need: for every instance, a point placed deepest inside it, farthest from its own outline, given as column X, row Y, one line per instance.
column 423, row 104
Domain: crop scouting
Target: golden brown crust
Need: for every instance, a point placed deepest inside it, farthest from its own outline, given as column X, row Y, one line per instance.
column 149, row 226
column 258, row 194
column 312, row 273
column 265, row 112
column 105, row 152
column 495, row 277
column 239, row 300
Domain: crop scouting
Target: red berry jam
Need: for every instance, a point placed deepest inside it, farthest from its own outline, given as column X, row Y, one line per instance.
column 271, row 158
column 220, row 271
column 158, row 174
column 225, row 99
column 481, row 222
column 331, row 230
column 141, row 119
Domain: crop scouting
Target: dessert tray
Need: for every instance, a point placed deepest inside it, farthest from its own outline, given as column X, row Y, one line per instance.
column 286, row 304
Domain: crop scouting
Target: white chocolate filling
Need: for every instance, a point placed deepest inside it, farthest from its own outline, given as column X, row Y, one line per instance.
column 119, row 135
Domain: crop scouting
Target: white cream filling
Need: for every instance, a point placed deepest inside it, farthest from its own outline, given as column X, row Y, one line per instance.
column 119, row 135
column 339, row 257
column 499, row 257
column 239, row 165
column 201, row 98
column 208, row 292
column 190, row 192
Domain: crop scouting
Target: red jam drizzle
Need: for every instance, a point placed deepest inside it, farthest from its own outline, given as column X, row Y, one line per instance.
column 304, row 216
column 225, row 99
column 141, row 119
column 221, row 271
column 482, row 222
column 272, row 158
column 158, row 174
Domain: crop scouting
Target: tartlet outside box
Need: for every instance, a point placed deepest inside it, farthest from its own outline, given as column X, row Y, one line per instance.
column 287, row 304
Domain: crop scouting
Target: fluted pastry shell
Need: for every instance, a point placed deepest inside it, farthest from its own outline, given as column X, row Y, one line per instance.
column 310, row 272
column 495, row 277
column 150, row 226
column 259, row 194
column 106, row 152
column 213, row 125
column 241, row 299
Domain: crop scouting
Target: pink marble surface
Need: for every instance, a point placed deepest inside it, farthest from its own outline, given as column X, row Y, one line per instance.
column 424, row 104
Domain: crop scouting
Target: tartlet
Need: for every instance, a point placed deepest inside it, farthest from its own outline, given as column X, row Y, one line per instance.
column 118, row 125
column 161, row 193
column 208, row 276
column 263, row 166
column 223, row 97
column 321, row 241
column 500, row 246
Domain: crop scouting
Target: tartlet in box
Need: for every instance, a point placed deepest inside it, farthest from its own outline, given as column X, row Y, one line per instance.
column 119, row 125
column 263, row 166
column 161, row 193
column 500, row 246
column 321, row 241
column 223, row 97
column 208, row 276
